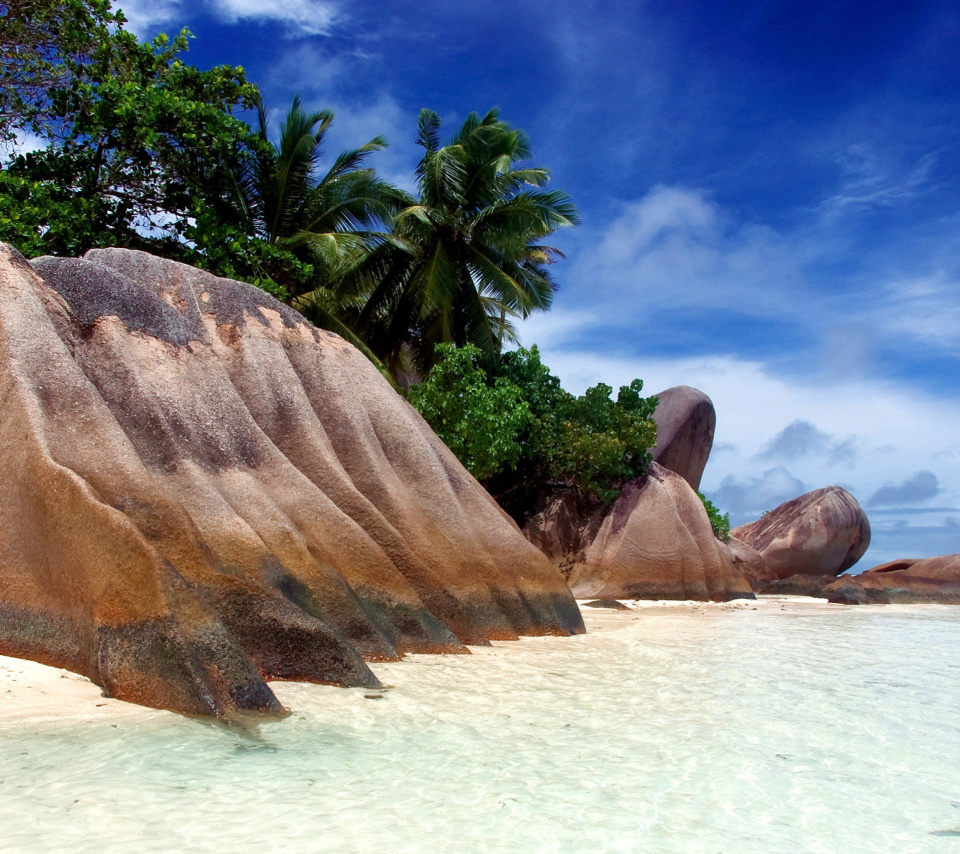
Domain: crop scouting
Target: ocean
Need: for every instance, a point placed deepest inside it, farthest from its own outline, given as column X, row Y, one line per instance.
column 787, row 726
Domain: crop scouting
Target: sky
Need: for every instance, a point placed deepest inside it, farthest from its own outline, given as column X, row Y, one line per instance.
column 770, row 196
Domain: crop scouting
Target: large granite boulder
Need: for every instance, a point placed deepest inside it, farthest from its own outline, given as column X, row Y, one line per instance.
column 747, row 560
column 686, row 421
column 934, row 580
column 202, row 491
column 654, row 542
column 823, row 532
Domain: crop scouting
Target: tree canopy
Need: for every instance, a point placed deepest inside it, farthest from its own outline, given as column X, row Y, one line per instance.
column 468, row 255
column 523, row 436
column 137, row 141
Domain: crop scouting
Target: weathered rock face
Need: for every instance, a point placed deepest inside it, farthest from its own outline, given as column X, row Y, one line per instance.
column 747, row 560
column 823, row 532
column 796, row 585
column 653, row 542
column 686, row 421
column 202, row 491
column 934, row 580
column 565, row 527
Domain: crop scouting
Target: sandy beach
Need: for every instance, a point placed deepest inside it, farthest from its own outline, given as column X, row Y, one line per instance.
column 32, row 690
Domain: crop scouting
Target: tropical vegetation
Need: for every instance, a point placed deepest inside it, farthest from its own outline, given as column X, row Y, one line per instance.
column 524, row 437
column 468, row 256
column 133, row 146
column 720, row 522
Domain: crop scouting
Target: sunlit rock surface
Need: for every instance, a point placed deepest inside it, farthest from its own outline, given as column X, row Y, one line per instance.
column 823, row 532
column 686, row 421
column 654, row 542
column 201, row 491
column 934, row 580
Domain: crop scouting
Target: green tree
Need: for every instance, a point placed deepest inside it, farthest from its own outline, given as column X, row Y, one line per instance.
column 137, row 142
column 481, row 419
column 720, row 522
column 467, row 257
column 44, row 45
column 318, row 221
column 517, row 430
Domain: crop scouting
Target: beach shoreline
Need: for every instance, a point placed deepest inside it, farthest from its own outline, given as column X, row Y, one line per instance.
column 30, row 690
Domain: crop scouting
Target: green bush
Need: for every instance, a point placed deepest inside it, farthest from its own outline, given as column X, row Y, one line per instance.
column 719, row 522
column 479, row 418
column 514, row 427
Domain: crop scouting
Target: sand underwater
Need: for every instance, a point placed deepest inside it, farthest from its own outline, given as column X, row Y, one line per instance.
column 784, row 725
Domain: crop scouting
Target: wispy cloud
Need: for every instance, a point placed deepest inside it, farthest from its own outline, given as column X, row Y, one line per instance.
column 675, row 247
column 306, row 17
column 925, row 308
column 144, row 16
column 869, row 181
column 301, row 17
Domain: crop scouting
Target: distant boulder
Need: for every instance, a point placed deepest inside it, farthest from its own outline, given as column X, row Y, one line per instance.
column 795, row 585
column 748, row 561
column 823, row 532
column 202, row 492
column 686, row 421
column 654, row 542
column 934, row 580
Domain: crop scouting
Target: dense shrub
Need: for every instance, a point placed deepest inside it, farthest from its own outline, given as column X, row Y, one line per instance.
column 719, row 522
column 518, row 431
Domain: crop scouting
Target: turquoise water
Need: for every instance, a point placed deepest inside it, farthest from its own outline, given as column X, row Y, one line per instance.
column 731, row 730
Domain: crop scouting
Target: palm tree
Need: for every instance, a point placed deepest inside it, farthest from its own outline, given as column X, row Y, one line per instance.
column 327, row 220
column 466, row 257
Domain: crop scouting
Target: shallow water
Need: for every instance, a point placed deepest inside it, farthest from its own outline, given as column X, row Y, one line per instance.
column 726, row 731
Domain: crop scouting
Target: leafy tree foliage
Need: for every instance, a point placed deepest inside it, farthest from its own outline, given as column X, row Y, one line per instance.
column 518, row 431
column 44, row 45
column 720, row 522
column 481, row 419
column 467, row 255
column 138, row 142
column 318, row 222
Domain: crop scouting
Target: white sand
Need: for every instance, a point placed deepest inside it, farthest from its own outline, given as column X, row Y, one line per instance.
column 32, row 690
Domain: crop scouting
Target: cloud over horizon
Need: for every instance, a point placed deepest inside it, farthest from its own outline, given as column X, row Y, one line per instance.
column 801, row 439
column 921, row 486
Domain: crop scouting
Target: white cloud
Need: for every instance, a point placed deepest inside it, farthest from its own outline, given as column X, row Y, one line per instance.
column 145, row 17
column 800, row 439
column 303, row 17
column 674, row 248
column 870, row 182
column 746, row 499
column 896, row 429
column 309, row 17
column 23, row 142
column 924, row 308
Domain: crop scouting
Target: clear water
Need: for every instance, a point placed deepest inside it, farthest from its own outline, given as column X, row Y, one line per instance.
column 726, row 731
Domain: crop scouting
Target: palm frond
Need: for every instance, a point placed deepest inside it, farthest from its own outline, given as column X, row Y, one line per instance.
column 428, row 130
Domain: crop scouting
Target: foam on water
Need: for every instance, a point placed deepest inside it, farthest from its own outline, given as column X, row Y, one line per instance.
column 732, row 730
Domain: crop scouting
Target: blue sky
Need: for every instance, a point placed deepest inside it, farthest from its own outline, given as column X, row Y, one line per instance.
column 770, row 202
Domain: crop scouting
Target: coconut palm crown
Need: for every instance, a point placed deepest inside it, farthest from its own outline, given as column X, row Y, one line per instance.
column 326, row 218
column 467, row 257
